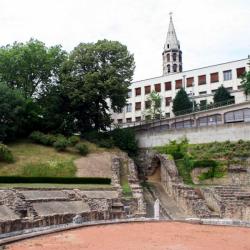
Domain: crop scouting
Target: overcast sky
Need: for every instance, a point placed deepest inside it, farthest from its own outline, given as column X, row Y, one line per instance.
column 210, row 31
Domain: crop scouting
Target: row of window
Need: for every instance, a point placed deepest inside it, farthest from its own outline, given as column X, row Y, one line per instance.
column 231, row 116
column 138, row 118
column 138, row 105
column 202, row 79
column 174, row 57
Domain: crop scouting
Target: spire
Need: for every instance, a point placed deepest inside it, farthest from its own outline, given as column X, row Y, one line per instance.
column 171, row 41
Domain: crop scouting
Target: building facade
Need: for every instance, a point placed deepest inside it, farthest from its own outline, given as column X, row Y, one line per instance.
column 200, row 84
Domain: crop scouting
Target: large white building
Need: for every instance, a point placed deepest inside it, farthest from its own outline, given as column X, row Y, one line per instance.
column 200, row 83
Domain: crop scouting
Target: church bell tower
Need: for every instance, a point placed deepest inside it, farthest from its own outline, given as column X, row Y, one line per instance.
column 172, row 54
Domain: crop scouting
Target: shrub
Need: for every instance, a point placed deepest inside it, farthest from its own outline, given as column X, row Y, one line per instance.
column 73, row 140
column 60, row 144
column 205, row 164
column 5, row 154
column 82, row 148
column 106, row 143
column 125, row 140
column 36, row 136
column 49, row 139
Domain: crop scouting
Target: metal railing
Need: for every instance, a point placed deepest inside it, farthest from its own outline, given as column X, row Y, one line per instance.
column 179, row 113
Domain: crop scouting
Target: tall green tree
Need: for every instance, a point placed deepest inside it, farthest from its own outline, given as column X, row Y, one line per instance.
column 154, row 111
column 30, row 67
column 181, row 102
column 222, row 95
column 246, row 82
column 95, row 74
column 12, row 112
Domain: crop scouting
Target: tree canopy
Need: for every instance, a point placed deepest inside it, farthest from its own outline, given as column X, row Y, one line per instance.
column 222, row 95
column 154, row 111
column 12, row 112
column 30, row 67
column 93, row 75
column 181, row 101
column 246, row 82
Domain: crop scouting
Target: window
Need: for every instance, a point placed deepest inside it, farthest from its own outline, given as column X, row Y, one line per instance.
column 178, row 84
column 167, row 115
column 203, row 93
column 180, row 57
column 201, row 79
column 174, row 57
column 148, row 117
column 129, row 107
column 175, row 67
column 190, row 81
column 214, row 77
column 240, row 72
column 168, row 57
column 138, row 106
column 130, row 93
column 168, row 46
column 128, row 120
column 168, row 100
column 138, row 118
column 137, row 91
column 227, row 75
column 119, row 121
column 168, row 68
column 213, row 91
column 147, row 104
column 158, row 87
column 203, row 103
column 168, row 86
column 147, row 89
column 180, row 68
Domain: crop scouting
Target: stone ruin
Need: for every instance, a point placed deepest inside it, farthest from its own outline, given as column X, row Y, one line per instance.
column 178, row 200
column 22, row 209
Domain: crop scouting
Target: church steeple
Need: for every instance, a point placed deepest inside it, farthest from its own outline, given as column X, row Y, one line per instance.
column 172, row 55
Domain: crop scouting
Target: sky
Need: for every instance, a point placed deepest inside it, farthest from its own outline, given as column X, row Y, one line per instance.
column 209, row 31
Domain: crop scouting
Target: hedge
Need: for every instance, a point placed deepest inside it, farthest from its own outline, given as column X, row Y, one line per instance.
column 55, row 180
column 205, row 164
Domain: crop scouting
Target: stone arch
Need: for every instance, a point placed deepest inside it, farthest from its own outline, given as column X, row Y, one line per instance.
column 154, row 173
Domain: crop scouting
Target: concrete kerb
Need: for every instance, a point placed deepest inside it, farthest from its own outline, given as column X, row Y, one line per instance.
column 31, row 233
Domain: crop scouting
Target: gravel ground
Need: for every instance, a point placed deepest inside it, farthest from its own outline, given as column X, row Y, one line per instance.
column 143, row 236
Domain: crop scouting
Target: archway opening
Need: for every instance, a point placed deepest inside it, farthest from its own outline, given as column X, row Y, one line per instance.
column 155, row 175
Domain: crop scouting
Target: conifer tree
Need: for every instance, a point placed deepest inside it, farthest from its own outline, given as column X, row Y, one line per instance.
column 222, row 95
column 181, row 102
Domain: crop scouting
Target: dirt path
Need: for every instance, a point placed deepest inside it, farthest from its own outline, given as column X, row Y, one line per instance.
column 94, row 165
column 143, row 236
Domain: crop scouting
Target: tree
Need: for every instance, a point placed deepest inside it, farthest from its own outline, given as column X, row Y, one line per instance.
column 181, row 102
column 154, row 110
column 12, row 112
column 30, row 67
column 222, row 95
column 93, row 74
column 246, row 82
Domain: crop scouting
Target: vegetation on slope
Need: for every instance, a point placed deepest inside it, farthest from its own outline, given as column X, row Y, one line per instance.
column 217, row 156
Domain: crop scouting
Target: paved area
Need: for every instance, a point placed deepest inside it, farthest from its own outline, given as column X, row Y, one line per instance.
column 100, row 194
column 63, row 207
column 143, row 236
column 94, row 165
column 41, row 195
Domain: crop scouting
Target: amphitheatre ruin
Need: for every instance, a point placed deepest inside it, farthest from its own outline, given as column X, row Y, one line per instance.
column 160, row 212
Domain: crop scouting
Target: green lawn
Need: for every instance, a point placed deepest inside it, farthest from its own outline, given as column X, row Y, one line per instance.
column 37, row 160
